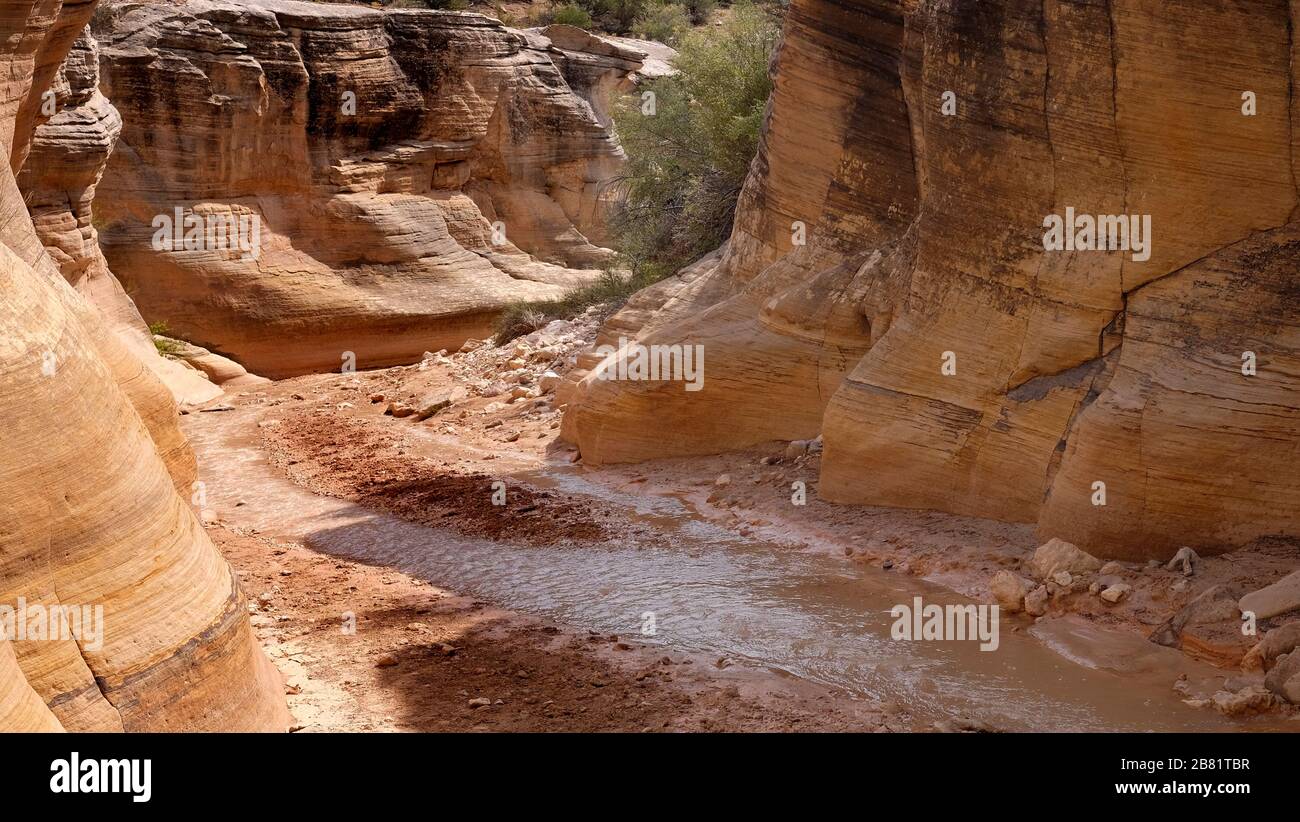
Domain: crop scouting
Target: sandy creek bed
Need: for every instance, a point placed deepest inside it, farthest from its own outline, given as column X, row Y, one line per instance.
column 754, row 616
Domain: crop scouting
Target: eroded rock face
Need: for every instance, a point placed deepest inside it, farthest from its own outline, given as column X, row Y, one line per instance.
column 77, row 128
column 376, row 149
column 925, row 247
column 91, row 512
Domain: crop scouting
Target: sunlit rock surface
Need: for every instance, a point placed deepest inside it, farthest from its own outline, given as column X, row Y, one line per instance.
column 925, row 246
column 377, row 150
column 95, row 480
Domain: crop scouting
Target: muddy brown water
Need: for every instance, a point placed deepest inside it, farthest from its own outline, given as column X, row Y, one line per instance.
column 795, row 613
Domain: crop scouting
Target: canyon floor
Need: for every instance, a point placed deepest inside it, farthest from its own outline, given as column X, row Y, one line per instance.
column 422, row 657
column 394, row 595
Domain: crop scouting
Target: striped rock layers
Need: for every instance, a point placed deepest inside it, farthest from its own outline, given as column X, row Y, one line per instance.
column 923, row 144
column 411, row 172
column 94, row 487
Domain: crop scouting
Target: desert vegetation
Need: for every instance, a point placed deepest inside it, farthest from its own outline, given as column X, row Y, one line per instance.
column 689, row 138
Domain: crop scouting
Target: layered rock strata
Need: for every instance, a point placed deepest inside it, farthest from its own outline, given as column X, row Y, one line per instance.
column 95, row 483
column 948, row 357
column 407, row 173
column 77, row 128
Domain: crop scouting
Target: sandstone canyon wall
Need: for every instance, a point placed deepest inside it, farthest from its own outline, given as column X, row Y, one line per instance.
column 377, row 149
column 94, row 469
column 77, row 128
column 925, row 246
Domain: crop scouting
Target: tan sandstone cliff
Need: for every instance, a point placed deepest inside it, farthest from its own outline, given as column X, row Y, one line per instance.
column 95, row 481
column 76, row 130
column 376, row 149
column 925, row 245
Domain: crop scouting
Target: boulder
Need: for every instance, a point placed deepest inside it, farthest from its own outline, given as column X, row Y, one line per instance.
column 1281, row 640
column 438, row 402
column 1248, row 701
column 1215, row 604
column 1036, row 601
column 1009, row 591
column 1284, row 678
column 1116, row 593
column 1208, row 627
column 548, row 381
column 1058, row 555
column 1278, row 598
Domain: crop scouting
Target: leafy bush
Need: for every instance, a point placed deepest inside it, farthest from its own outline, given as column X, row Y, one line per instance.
column 688, row 159
column 166, row 347
column 572, row 15
column 638, row 17
column 438, row 5
column 698, row 10
column 665, row 23
column 612, row 16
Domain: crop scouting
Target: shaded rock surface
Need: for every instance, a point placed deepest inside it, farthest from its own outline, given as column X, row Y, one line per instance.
column 925, row 247
column 1284, row 678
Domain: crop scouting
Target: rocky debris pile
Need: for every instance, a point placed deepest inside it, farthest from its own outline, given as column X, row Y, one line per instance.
column 522, row 372
column 1278, row 656
column 1270, row 678
column 1060, row 577
column 1057, row 569
column 525, row 368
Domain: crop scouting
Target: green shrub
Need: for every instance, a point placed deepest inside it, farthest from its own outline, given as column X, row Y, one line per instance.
column 688, row 160
column 166, row 347
column 665, row 23
column 572, row 15
column 612, row 16
column 438, row 5
column 698, row 10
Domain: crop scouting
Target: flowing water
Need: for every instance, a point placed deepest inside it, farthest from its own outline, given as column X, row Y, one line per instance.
column 796, row 613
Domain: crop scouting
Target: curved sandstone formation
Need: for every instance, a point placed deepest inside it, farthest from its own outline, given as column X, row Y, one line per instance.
column 925, row 248
column 91, row 482
column 406, row 173
column 67, row 155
